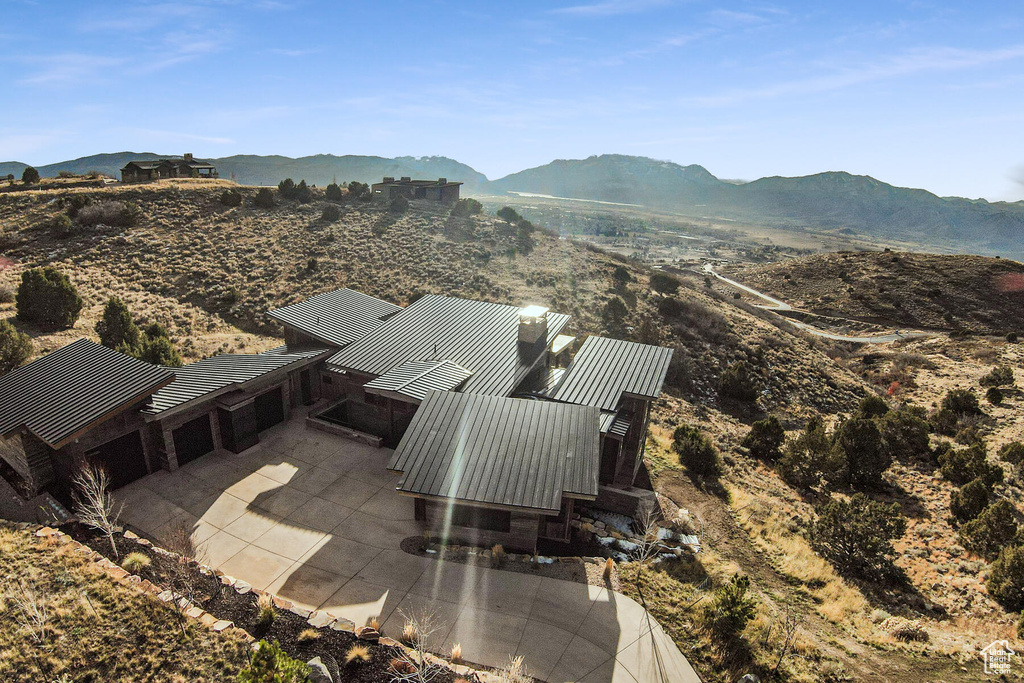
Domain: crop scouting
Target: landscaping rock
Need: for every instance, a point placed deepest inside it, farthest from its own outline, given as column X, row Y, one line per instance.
column 301, row 611
column 389, row 642
column 131, row 536
column 166, row 596
column 319, row 619
column 144, row 542
column 207, row 619
column 343, row 625
column 195, row 612
column 242, row 587
column 281, row 603
column 222, row 625
column 227, row 580
column 368, row 633
column 318, row 672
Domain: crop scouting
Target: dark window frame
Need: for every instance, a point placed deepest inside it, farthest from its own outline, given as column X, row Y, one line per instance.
column 484, row 519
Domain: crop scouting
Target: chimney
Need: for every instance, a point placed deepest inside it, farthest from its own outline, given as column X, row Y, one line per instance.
column 406, row 179
column 533, row 324
column 389, row 179
column 442, row 181
column 188, row 156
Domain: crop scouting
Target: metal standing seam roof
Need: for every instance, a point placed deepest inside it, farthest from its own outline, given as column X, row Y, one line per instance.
column 604, row 369
column 415, row 378
column 499, row 451
column 61, row 394
column 226, row 371
column 337, row 318
column 481, row 337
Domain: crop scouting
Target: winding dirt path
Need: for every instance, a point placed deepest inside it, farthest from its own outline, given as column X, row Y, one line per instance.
column 778, row 306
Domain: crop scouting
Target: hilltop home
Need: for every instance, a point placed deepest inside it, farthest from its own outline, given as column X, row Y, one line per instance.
column 186, row 167
column 439, row 190
column 495, row 440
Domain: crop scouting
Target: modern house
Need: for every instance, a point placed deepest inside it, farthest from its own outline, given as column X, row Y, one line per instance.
column 87, row 403
column 495, row 441
column 186, row 167
column 440, row 190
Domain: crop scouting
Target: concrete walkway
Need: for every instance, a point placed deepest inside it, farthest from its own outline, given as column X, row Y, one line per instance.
column 316, row 519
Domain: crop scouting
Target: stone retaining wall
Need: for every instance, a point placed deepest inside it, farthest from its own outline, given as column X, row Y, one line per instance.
column 315, row 618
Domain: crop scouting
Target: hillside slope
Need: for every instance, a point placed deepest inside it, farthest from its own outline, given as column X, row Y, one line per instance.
column 825, row 200
column 319, row 169
column 209, row 272
column 227, row 266
column 832, row 200
column 925, row 291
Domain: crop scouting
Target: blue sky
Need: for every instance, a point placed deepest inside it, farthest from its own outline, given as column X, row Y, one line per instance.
column 915, row 93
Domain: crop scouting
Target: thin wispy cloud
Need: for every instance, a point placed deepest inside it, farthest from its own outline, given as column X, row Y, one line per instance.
column 69, row 69
column 914, row 62
column 610, row 8
column 300, row 52
column 140, row 18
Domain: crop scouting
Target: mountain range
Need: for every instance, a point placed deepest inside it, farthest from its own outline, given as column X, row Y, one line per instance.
column 831, row 200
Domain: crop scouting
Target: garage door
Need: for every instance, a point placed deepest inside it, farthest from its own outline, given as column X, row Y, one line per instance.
column 269, row 409
column 193, row 439
column 122, row 458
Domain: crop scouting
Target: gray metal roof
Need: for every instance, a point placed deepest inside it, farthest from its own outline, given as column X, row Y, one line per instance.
column 415, row 378
column 499, row 451
column 63, row 393
column 225, row 372
column 338, row 318
column 604, row 369
column 481, row 337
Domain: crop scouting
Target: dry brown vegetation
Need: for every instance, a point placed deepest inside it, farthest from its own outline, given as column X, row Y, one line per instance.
column 927, row 291
column 208, row 272
column 87, row 627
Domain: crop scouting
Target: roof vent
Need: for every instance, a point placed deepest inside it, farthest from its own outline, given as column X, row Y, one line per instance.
column 442, row 181
column 533, row 324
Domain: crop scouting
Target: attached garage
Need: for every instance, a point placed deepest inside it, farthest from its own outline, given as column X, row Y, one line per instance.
column 193, row 439
column 123, row 458
column 269, row 409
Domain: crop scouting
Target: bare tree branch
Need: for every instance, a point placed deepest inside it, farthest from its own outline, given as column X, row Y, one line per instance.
column 94, row 505
column 31, row 608
column 413, row 665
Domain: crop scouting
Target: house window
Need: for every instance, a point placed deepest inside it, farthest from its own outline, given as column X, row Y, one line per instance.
column 481, row 518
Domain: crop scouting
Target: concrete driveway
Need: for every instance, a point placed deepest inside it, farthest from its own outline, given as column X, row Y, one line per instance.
column 316, row 519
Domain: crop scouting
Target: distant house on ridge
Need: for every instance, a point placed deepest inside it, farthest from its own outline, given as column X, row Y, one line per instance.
column 156, row 169
column 440, row 190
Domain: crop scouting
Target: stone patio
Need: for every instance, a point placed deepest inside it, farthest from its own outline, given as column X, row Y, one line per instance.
column 315, row 518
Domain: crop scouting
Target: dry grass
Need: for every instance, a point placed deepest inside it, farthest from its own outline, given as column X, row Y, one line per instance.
column 410, row 632
column 357, row 654
column 456, row 653
column 97, row 629
column 772, row 530
column 133, row 562
column 265, row 613
column 307, row 636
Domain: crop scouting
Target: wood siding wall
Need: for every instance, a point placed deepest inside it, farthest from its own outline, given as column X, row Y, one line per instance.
column 521, row 537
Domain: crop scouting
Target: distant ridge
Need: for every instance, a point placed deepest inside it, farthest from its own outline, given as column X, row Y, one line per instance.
column 830, row 200
column 835, row 200
column 320, row 169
